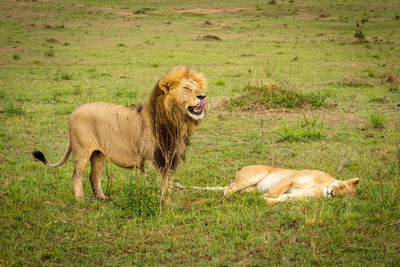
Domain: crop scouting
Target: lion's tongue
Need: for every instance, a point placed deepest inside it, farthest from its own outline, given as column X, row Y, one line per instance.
column 202, row 103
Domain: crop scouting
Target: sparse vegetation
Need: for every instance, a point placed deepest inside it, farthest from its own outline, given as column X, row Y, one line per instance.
column 359, row 34
column 352, row 81
column 16, row 56
column 271, row 94
column 307, row 57
column 66, row 76
column 49, row 53
column 308, row 129
column 13, row 108
column 376, row 120
column 141, row 195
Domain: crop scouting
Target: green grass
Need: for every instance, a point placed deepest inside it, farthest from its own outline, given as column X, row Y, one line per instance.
column 117, row 50
column 308, row 129
column 16, row 56
column 66, row 76
column 376, row 120
column 142, row 195
column 13, row 108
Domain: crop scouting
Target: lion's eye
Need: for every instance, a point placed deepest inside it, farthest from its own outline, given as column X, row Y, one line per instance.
column 187, row 88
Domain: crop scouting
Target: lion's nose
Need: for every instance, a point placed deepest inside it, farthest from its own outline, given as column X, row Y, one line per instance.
column 201, row 96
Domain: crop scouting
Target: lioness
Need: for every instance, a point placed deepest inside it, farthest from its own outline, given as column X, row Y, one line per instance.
column 282, row 184
column 157, row 131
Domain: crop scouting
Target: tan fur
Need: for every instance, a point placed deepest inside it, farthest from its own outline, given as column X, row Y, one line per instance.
column 283, row 184
column 157, row 131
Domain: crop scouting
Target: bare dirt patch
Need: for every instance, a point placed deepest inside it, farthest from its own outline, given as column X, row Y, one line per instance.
column 215, row 11
column 8, row 50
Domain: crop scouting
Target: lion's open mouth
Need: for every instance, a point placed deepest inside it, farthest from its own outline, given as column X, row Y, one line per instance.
column 198, row 109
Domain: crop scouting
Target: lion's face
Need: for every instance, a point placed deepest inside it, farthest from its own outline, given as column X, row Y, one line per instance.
column 343, row 188
column 192, row 97
column 187, row 94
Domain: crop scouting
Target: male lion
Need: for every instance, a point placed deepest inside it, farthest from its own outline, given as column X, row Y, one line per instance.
column 157, row 131
column 282, row 184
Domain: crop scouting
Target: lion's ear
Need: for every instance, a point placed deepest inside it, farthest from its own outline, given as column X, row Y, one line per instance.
column 354, row 181
column 164, row 86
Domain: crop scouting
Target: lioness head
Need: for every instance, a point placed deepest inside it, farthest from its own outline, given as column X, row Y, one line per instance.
column 343, row 188
column 185, row 89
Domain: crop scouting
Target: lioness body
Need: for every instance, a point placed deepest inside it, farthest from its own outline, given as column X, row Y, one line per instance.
column 282, row 185
column 157, row 131
column 285, row 184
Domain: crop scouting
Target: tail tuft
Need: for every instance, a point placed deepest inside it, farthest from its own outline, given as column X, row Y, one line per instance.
column 177, row 184
column 39, row 155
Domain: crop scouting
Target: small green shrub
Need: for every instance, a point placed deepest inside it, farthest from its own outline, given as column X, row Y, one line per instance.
column 142, row 195
column 12, row 108
column 77, row 91
column 377, row 119
column 303, row 131
column 16, row 56
column 220, row 83
column 121, row 45
column 49, row 53
column 275, row 95
column 155, row 65
column 66, row 76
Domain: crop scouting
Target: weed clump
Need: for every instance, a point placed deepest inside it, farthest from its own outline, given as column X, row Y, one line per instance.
column 16, row 56
column 353, row 82
column 389, row 77
column 275, row 95
column 377, row 120
column 12, row 108
column 49, row 53
column 66, row 76
column 142, row 196
column 303, row 131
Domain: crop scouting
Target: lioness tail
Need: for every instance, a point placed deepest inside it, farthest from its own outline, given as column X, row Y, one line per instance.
column 39, row 155
column 207, row 188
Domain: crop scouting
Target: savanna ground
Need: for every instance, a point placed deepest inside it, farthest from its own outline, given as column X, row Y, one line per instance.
column 56, row 55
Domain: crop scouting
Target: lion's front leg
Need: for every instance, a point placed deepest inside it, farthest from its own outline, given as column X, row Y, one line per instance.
column 166, row 185
column 288, row 197
column 281, row 198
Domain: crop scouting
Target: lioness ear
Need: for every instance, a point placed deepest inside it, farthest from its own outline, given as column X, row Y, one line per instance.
column 354, row 181
column 164, row 86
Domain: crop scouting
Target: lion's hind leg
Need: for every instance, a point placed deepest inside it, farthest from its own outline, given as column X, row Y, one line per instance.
column 280, row 188
column 97, row 161
column 247, row 178
column 81, row 160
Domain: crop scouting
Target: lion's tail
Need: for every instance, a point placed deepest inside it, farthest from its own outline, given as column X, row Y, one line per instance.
column 39, row 155
column 207, row 188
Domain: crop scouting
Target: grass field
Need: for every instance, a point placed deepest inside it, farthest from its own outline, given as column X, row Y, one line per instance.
column 56, row 55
